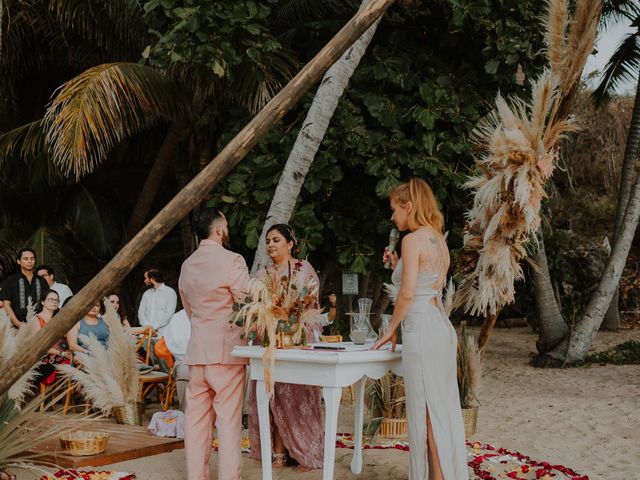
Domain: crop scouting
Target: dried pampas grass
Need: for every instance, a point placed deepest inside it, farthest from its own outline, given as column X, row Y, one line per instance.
column 109, row 376
column 12, row 341
column 21, row 429
column 519, row 144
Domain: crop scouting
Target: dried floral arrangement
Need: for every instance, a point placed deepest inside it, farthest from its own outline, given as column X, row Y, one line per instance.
column 21, row 424
column 11, row 341
column 109, row 376
column 277, row 313
column 518, row 142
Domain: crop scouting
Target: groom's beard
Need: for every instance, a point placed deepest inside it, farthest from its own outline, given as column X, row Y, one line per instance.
column 226, row 243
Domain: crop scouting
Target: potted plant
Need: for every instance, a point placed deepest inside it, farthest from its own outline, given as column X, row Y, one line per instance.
column 386, row 401
column 468, row 361
column 109, row 376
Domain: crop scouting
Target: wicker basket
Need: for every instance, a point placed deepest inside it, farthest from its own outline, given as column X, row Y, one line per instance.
column 84, row 443
column 129, row 414
column 470, row 419
column 393, row 428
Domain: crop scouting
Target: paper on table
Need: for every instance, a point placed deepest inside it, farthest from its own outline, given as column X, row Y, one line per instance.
column 347, row 346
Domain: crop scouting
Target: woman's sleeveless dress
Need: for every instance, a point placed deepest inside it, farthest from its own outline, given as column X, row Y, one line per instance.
column 429, row 347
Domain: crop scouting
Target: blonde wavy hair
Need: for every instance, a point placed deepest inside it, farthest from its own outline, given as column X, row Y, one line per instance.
column 425, row 211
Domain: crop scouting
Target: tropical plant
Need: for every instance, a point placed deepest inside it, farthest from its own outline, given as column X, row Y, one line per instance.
column 386, row 399
column 109, row 376
column 22, row 428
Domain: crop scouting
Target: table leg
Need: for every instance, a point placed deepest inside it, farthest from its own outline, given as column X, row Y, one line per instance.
column 356, row 462
column 265, row 428
column 332, row 397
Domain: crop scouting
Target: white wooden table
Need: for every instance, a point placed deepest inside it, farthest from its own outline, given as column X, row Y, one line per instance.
column 331, row 370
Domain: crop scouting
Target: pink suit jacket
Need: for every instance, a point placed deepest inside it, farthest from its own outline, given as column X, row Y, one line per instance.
column 211, row 279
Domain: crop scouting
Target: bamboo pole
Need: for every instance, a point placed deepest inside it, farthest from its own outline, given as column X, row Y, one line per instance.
column 192, row 194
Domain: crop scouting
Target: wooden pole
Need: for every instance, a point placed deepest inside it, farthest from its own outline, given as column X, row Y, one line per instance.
column 192, row 194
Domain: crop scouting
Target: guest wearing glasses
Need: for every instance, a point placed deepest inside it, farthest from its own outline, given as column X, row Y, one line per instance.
column 58, row 353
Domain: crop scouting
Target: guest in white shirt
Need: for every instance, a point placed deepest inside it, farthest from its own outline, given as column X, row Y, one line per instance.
column 158, row 303
column 176, row 336
column 49, row 274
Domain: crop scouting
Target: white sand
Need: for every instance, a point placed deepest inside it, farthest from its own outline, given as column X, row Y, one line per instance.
column 587, row 419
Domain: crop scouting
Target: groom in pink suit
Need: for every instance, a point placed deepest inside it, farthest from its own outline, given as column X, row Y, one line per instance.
column 211, row 280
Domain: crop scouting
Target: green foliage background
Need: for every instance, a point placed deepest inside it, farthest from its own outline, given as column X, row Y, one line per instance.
column 430, row 73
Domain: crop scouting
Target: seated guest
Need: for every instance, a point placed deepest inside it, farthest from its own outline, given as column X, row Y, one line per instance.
column 91, row 324
column 58, row 353
column 23, row 288
column 114, row 299
column 46, row 272
column 176, row 336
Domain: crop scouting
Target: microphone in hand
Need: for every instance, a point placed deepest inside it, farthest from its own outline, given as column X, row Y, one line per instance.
column 394, row 236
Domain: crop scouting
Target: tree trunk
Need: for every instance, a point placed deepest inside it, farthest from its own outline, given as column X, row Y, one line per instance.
column 551, row 325
column 127, row 258
column 486, row 331
column 628, row 175
column 309, row 138
column 168, row 151
column 583, row 334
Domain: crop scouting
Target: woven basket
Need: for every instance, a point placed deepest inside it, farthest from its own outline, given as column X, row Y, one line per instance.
column 84, row 443
column 393, row 428
column 470, row 419
column 129, row 414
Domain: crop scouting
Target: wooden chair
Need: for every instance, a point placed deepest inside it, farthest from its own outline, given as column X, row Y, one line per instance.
column 338, row 339
column 143, row 335
column 150, row 380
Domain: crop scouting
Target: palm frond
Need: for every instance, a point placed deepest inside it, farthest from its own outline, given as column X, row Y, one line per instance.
column 295, row 13
column 103, row 106
column 254, row 84
column 21, row 429
column 52, row 250
column 623, row 66
column 10, row 243
column 617, row 11
column 24, row 149
column 93, row 223
column 24, row 142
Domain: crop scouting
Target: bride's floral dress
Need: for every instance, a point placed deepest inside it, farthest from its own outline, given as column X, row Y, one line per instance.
column 296, row 410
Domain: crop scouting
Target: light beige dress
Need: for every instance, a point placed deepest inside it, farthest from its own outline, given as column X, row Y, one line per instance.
column 429, row 361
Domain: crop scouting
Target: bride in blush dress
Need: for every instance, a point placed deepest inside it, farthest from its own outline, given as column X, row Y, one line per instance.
column 429, row 343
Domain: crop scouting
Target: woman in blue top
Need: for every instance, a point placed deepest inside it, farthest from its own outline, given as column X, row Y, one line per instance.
column 91, row 324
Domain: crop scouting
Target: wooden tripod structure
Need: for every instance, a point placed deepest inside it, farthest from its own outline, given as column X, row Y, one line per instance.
column 192, row 194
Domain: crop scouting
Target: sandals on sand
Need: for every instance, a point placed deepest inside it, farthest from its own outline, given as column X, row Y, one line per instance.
column 279, row 460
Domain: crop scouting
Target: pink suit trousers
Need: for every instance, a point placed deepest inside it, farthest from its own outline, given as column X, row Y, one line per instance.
column 214, row 396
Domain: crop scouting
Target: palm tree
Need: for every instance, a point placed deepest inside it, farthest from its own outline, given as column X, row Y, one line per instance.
column 622, row 66
column 310, row 137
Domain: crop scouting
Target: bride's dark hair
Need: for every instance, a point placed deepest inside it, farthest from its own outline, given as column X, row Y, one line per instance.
column 287, row 232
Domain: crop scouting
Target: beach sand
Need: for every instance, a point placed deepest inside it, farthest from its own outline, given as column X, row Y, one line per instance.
column 587, row 419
